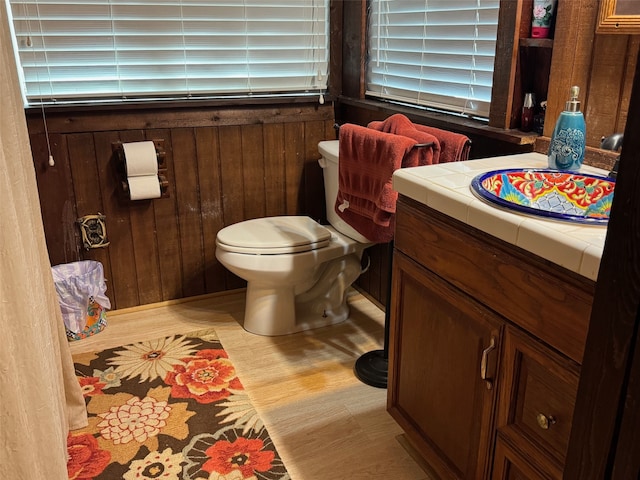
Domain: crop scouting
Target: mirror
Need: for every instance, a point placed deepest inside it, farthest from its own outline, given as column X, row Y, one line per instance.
column 619, row 16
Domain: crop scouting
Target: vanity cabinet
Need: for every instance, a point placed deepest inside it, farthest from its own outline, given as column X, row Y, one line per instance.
column 486, row 342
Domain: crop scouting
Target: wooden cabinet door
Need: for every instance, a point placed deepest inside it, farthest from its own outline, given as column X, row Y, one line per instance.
column 443, row 365
column 509, row 465
column 537, row 396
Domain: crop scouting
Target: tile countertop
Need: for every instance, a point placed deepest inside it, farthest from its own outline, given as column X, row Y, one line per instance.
column 445, row 187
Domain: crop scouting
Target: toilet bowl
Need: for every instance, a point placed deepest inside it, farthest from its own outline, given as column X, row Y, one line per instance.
column 297, row 271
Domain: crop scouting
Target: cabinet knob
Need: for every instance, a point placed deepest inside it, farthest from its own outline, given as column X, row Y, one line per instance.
column 544, row 421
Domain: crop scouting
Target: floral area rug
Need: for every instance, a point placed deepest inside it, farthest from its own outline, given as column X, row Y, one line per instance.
column 171, row 408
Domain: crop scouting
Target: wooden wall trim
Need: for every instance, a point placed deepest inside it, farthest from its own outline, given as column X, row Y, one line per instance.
column 504, row 72
column 354, row 47
column 122, row 119
column 336, row 20
column 442, row 120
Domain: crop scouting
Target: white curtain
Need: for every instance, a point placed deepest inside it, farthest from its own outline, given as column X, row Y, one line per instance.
column 40, row 398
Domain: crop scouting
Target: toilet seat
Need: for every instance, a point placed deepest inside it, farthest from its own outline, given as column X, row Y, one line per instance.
column 274, row 236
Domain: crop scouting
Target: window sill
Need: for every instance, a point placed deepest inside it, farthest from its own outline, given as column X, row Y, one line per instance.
column 445, row 121
column 167, row 104
column 65, row 119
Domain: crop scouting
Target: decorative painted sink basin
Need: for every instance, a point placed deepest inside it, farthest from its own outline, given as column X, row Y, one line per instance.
column 567, row 196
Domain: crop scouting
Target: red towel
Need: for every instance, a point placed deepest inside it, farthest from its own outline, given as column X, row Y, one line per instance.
column 454, row 147
column 400, row 125
column 366, row 199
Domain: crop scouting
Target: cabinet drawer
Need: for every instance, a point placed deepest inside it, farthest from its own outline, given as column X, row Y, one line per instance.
column 544, row 299
column 538, row 395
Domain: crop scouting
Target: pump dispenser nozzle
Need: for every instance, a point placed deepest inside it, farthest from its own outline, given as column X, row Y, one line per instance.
column 573, row 104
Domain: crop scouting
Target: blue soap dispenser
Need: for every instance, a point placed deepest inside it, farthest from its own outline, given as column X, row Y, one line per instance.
column 568, row 142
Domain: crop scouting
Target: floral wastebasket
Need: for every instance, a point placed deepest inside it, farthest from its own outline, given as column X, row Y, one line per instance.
column 82, row 297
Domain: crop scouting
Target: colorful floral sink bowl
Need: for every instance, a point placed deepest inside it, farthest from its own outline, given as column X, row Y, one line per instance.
column 568, row 196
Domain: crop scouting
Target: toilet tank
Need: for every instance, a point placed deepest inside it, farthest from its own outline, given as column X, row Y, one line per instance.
column 329, row 162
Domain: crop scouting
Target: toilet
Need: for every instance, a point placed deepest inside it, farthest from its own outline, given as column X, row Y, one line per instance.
column 297, row 271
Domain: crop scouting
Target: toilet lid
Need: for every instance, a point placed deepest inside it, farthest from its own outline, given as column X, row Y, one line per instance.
column 274, row 235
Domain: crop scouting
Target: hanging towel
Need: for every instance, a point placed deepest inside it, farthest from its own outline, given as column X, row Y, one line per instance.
column 454, row 147
column 398, row 124
column 366, row 199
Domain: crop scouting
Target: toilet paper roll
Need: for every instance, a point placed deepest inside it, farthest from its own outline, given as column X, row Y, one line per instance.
column 140, row 159
column 144, row 187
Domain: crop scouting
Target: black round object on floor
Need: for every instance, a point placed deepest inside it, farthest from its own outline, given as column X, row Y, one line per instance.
column 372, row 368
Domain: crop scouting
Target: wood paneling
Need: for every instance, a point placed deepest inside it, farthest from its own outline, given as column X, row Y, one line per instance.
column 211, row 214
column 354, row 50
column 294, row 161
column 224, row 166
column 227, row 164
column 189, row 216
column 274, row 169
column 504, row 72
column 601, row 65
column 165, row 213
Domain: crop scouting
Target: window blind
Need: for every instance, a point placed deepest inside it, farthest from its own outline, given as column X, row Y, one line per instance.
column 131, row 49
column 436, row 53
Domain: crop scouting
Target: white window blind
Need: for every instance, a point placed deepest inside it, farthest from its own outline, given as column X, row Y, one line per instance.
column 437, row 53
column 130, row 49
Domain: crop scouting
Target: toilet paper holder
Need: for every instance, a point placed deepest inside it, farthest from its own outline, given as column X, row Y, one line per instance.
column 121, row 169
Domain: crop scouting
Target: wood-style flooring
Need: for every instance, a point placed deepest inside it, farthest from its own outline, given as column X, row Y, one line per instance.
column 325, row 423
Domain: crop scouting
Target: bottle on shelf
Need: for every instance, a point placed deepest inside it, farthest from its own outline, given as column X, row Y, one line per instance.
column 526, row 119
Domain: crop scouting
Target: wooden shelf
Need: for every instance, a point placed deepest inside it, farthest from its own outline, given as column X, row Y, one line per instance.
column 537, row 42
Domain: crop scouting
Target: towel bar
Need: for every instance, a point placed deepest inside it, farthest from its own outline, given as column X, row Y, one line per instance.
column 417, row 145
column 336, row 127
column 421, row 145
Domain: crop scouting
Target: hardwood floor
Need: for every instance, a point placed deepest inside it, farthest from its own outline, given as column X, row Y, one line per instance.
column 325, row 423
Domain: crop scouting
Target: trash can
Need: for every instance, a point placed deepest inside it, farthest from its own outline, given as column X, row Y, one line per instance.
column 82, row 296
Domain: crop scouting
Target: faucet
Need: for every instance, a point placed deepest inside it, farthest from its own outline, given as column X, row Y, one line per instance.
column 613, row 142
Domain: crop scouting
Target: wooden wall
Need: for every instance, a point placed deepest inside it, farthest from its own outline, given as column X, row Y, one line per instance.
column 610, row 84
column 224, row 166
column 602, row 65
column 231, row 164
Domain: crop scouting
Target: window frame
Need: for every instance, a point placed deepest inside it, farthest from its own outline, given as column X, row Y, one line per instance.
column 464, row 90
column 345, row 88
column 144, row 101
column 353, row 71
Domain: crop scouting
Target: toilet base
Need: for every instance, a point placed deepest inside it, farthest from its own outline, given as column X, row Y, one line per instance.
column 274, row 311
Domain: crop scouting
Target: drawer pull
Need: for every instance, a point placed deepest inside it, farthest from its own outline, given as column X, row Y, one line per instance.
column 545, row 422
column 483, row 363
